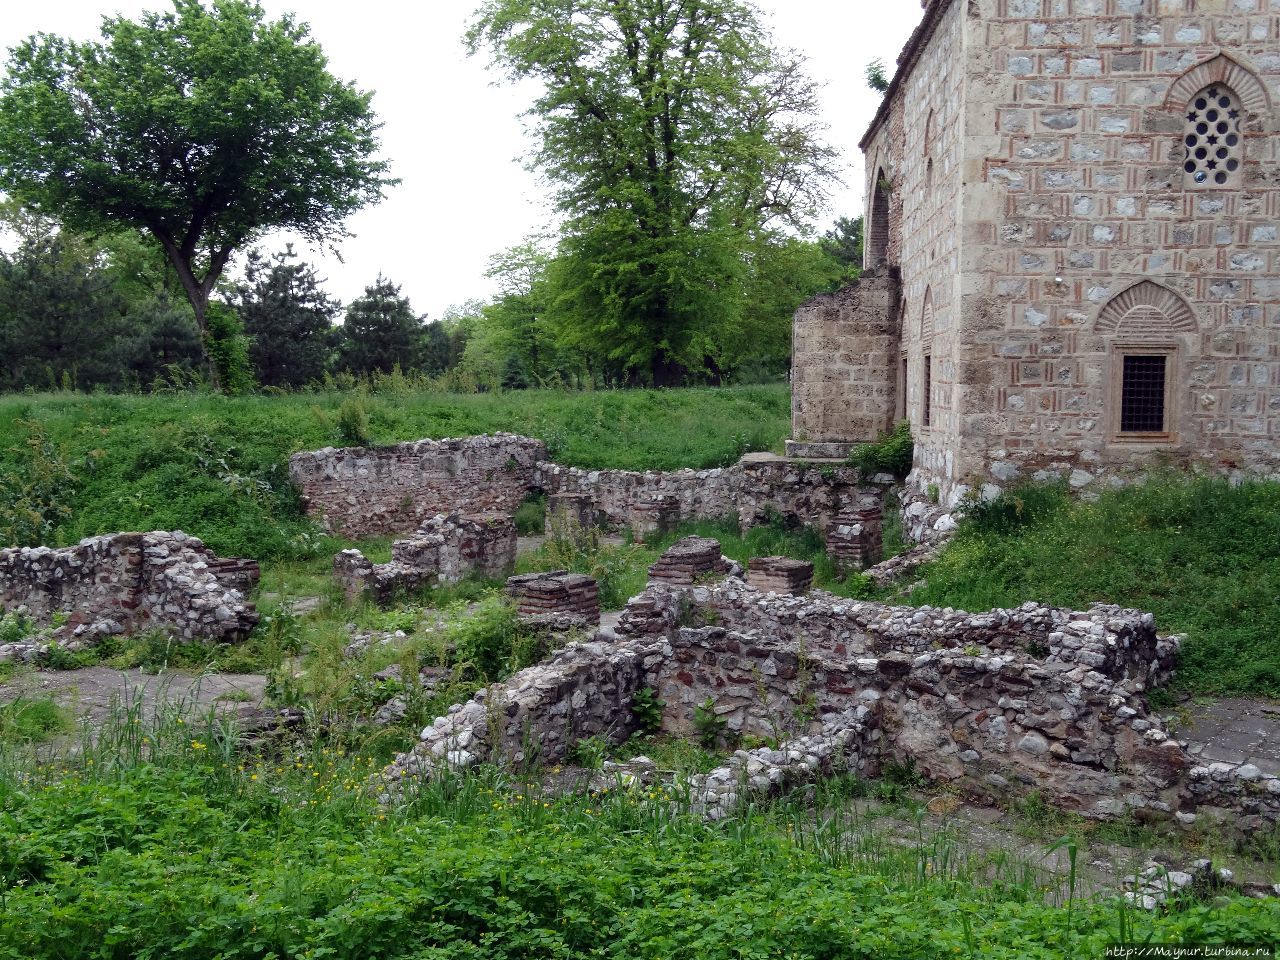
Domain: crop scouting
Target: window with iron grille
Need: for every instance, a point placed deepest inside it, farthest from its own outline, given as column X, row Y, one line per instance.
column 928, row 391
column 1142, row 394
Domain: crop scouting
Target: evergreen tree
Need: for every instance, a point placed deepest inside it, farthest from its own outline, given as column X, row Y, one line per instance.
column 289, row 318
column 380, row 331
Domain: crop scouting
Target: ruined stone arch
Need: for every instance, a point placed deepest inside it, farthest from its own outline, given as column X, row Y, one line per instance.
column 1147, row 308
column 1228, row 71
column 878, row 227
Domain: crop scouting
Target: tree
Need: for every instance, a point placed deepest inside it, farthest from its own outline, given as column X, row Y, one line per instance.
column 206, row 126
column 380, row 331
column 843, row 242
column 289, row 318
column 677, row 137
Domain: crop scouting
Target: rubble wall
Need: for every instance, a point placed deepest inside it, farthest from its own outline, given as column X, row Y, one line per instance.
column 130, row 582
column 362, row 492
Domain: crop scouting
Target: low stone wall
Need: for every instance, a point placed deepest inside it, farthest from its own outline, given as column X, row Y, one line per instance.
column 760, row 486
column 1003, row 703
column 362, row 492
column 447, row 549
column 128, row 583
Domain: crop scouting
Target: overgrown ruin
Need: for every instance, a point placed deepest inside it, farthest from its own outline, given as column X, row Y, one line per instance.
column 127, row 583
column 998, row 704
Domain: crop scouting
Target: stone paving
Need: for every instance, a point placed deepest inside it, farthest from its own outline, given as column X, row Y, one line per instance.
column 1235, row 731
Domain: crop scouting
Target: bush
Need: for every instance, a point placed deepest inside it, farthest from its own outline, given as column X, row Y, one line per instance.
column 891, row 453
column 35, row 491
column 353, row 423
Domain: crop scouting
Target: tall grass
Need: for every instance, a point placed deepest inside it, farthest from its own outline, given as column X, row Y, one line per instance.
column 216, row 466
column 163, row 839
column 1202, row 554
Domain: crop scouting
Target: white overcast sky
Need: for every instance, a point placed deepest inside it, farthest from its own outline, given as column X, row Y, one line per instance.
column 455, row 140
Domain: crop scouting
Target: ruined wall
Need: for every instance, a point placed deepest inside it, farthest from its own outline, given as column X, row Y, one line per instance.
column 362, row 492
column 1002, row 703
column 752, row 490
column 844, row 368
column 131, row 582
column 447, row 549
column 1076, row 193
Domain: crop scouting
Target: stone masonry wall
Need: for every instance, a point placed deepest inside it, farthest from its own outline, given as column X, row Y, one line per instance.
column 447, row 549
column 1003, row 702
column 1076, row 152
column 359, row 492
column 844, row 368
column 131, row 582
column 752, row 490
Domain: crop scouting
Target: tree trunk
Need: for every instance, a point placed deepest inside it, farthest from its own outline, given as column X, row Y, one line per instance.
column 200, row 304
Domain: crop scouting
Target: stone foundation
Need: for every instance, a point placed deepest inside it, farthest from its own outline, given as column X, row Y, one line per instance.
column 127, row 583
column 447, row 549
column 688, row 561
column 855, row 539
column 1000, row 703
column 780, row 575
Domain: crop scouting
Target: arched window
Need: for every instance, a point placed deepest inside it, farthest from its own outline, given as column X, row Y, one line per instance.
column 926, row 316
column 928, row 150
column 1146, row 327
column 878, row 234
column 1213, row 138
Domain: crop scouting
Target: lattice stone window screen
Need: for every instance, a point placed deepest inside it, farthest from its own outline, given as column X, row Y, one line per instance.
column 1214, row 143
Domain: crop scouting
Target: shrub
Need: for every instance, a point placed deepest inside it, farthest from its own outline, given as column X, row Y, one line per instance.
column 531, row 517
column 708, row 723
column 647, row 710
column 35, row 492
column 891, row 453
column 353, row 423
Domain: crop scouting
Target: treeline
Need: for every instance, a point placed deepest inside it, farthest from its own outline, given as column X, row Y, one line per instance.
column 88, row 313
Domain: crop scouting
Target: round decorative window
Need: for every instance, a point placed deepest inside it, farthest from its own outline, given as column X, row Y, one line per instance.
column 1215, row 145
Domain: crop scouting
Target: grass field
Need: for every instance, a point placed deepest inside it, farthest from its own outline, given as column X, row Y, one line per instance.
column 166, row 843
column 162, row 839
column 216, row 466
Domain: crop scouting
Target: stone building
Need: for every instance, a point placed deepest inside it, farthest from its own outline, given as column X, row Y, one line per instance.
column 1073, row 259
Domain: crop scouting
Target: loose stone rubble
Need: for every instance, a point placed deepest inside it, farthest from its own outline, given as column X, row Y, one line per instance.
column 127, row 583
column 446, row 549
column 999, row 703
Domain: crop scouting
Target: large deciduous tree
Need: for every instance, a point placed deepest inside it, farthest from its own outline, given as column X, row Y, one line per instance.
column 207, row 126
column 677, row 137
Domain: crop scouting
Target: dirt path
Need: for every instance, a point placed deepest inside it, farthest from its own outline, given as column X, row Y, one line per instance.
column 92, row 694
